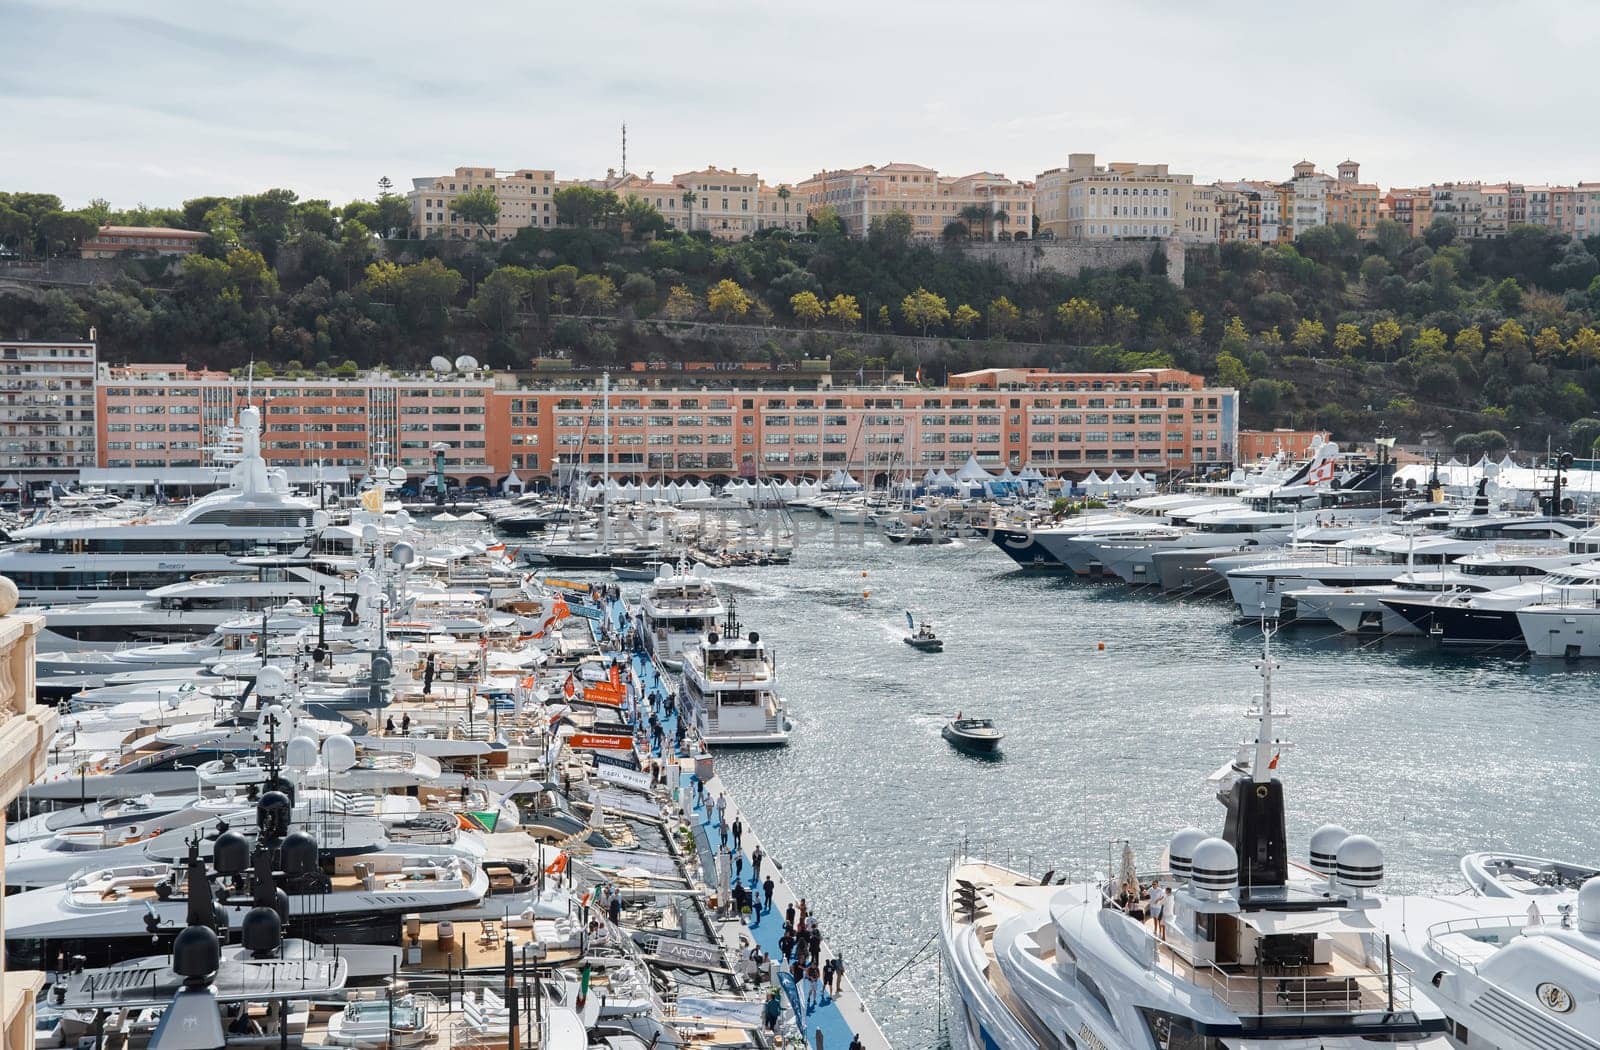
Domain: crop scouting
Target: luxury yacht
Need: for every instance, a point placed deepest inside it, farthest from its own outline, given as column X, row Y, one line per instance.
column 1233, row 947
column 730, row 684
column 1488, row 618
column 1476, row 553
column 89, row 559
column 675, row 611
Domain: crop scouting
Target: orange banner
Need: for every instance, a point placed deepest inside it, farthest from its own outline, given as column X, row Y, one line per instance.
column 601, row 742
column 605, row 689
column 602, row 699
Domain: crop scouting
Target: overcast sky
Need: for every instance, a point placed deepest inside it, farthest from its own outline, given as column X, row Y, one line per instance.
column 162, row 100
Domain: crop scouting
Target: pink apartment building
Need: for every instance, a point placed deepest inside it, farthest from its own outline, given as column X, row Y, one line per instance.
column 162, row 418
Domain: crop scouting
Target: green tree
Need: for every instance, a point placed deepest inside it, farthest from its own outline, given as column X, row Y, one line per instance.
column 501, row 297
column 584, row 208
column 479, row 207
column 1469, row 340
column 1509, row 337
column 1584, row 434
column 1385, row 334
column 885, row 322
column 642, row 219
column 807, row 308
column 595, row 293
column 1547, row 342
column 727, row 300
column 891, row 232
column 1429, row 340
column 681, row 304
column 1347, row 339
column 923, row 309
column 1080, row 319
column 1231, row 372
column 1003, row 316
column 1125, row 322
column 689, row 198
column 1235, row 340
column 1309, row 335
column 965, row 318
column 1585, row 345
column 844, row 311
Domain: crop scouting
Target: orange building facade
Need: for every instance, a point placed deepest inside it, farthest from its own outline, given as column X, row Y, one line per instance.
column 490, row 428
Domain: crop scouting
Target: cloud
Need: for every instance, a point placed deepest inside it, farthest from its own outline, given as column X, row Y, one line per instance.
column 176, row 98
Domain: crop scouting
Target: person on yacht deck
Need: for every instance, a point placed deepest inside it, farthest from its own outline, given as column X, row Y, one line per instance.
column 1158, row 909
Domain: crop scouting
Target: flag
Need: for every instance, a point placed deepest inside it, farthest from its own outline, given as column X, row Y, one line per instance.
column 911, row 621
column 557, row 866
column 569, row 688
column 1274, row 763
column 561, row 610
column 1320, row 472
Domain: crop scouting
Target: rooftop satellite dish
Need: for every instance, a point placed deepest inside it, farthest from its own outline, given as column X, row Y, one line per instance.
column 440, row 363
column 466, row 363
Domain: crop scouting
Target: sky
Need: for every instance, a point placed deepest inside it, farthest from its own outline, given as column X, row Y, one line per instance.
column 161, row 100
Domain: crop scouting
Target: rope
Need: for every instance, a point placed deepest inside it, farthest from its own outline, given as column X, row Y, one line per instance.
column 915, row 956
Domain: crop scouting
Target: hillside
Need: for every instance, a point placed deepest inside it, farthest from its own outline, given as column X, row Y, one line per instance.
column 1492, row 341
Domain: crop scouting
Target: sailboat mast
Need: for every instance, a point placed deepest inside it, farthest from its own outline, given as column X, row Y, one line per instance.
column 605, row 461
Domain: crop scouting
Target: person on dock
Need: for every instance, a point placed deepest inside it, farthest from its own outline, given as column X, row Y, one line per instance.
column 722, row 829
column 838, row 975
column 771, row 1011
column 738, row 858
column 813, row 984
column 738, row 832
column 767, row 887
column 756, row 857
column 827, row 982
column 855, row 1042
column 788, row 916
column 405, row 724
column 427, row 675
column 786, row 942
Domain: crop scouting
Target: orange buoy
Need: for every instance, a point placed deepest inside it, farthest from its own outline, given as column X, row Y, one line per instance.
column 866, row 594
column 863, row 573
column 1101, row 647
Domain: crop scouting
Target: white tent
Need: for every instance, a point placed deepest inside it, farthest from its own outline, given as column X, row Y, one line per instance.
column 512, row 483
column 1506, row 461
column 971, row 470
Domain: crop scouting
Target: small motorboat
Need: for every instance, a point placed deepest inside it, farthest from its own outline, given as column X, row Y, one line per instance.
column 975, row 736
column 923, row 640
column 637, row 574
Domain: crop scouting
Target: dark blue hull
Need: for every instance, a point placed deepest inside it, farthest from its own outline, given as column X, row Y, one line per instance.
column 1020, row 546
column 1462, row 624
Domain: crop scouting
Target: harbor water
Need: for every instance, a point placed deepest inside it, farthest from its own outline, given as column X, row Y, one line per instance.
column 1432, row 754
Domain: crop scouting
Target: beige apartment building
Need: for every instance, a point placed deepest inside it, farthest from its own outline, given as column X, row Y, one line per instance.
column 1248, row 212
column 1411, row 207
column 1119, row 201
column 1353, row 202
column 731, row 205
column 25, row 732
column 525, row 198
column 860, row 195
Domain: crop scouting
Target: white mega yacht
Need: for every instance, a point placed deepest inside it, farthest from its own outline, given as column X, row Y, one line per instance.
column 1233, row 947
column 92, row 559
column 677, row 608
column 730, row 683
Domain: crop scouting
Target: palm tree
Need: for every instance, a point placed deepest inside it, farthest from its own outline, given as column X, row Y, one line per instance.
column 999, row 215
column 973, row 215
column 688, row 202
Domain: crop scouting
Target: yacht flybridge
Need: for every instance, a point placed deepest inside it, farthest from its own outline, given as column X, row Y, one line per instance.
column 1232, row 946
column 676, row 609
column 730, row 683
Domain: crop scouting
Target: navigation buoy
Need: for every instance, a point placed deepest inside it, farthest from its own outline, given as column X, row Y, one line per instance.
column 1100, row 647
column 863, row 573
column 866, row 594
